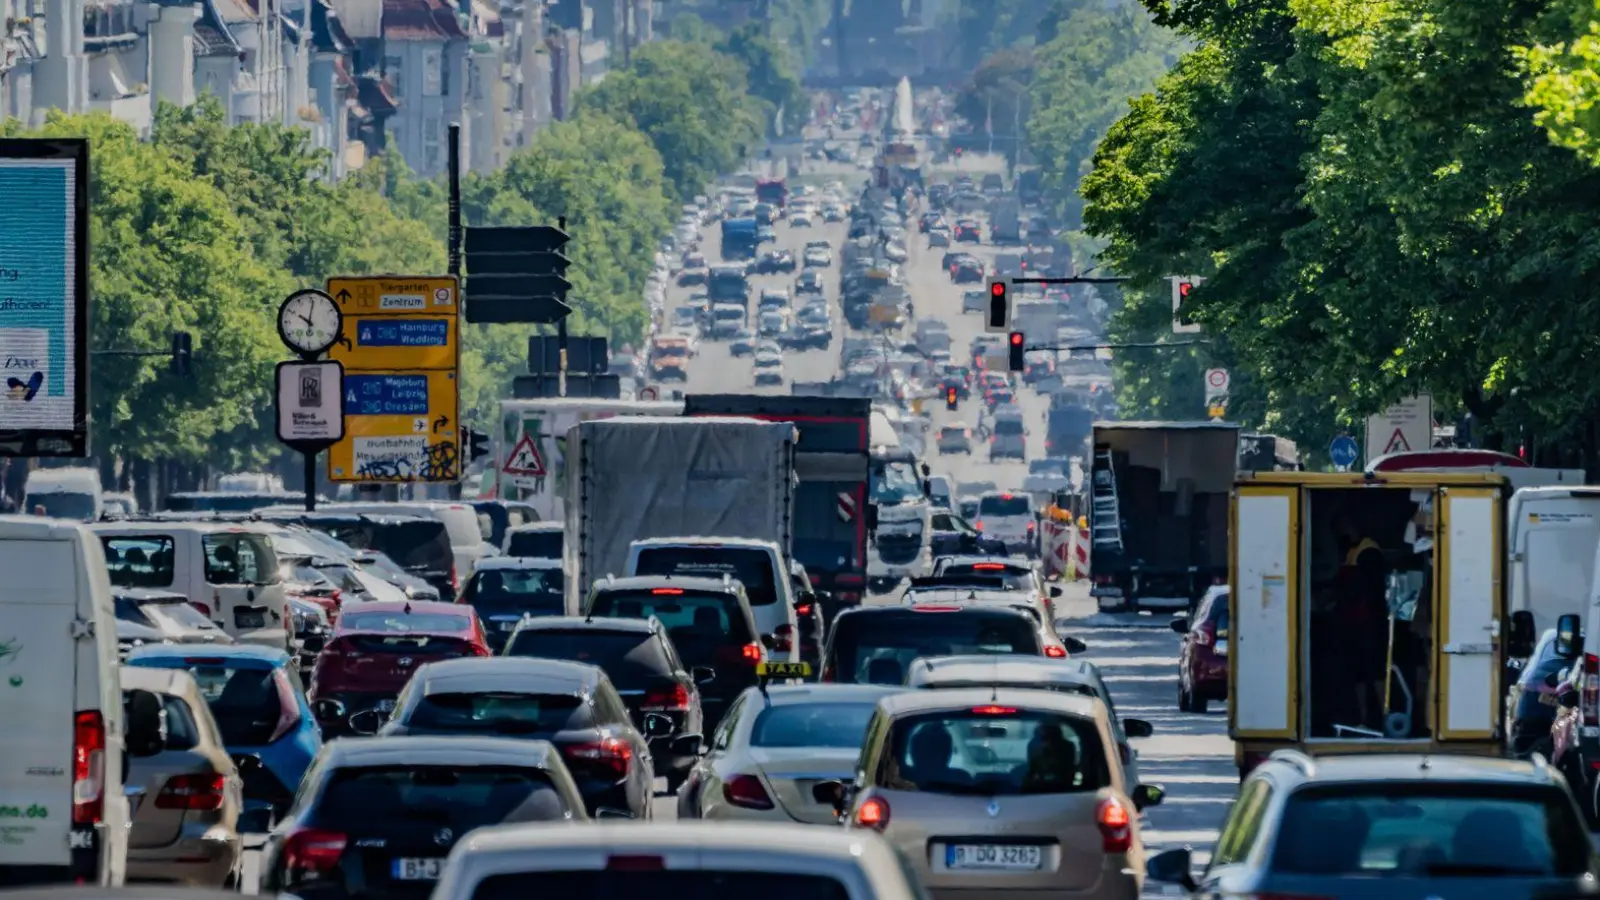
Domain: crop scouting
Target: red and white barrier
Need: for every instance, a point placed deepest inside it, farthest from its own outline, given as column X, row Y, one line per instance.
column 1065, row 548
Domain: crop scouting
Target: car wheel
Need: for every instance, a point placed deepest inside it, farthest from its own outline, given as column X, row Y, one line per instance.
column 1184, row 704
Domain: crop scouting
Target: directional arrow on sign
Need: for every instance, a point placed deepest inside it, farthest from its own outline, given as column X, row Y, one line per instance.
column 440, row 423
column 343, row 296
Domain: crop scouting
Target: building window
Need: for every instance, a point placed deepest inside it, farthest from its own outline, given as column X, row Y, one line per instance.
column 392, row 71
column 432, row 72
column 431, row 145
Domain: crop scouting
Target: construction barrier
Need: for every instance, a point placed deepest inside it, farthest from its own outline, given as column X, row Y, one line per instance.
column 1065, row 545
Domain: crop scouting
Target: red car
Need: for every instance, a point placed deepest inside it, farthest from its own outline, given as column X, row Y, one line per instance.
column 1203, row 658
column 375, row 648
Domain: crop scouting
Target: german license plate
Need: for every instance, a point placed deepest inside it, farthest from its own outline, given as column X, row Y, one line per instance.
column 1549, row 700
column 992, row 856
column 418, row 869
column 249, row 618
column 1221, row 648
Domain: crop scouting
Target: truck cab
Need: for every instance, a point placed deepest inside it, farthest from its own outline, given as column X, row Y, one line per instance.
column 1368, row 613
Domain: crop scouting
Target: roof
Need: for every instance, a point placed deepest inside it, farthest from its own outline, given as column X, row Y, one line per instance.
column 492, row 563
column 415, row 750
column 581, row 623
column 781, row 694
column 646, row 582
column 1007, row 669
column 1367, row 767
column 633, row 837
column 144, row 595
column 512, row 673
column 207, row 526
column 404, row 607
column 891, row 611
column 907, row 703
column 751, row 543
column 38, row 528
column 935, row 596
column 536, row 527
column 420, row 20
column 167, row 653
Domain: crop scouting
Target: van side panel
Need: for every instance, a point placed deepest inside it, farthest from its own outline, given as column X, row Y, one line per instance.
column 1471, row 606
column 1264, row 665
column 39, row 693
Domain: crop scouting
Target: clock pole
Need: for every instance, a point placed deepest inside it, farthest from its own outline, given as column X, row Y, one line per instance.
column 310, row 391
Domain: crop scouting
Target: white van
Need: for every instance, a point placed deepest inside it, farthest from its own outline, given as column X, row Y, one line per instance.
column 69, row 493
column 1551, row 537
column 228, row 571
column 760, row 566
column 1009, row 517
column 63, row 816
column 468, row 537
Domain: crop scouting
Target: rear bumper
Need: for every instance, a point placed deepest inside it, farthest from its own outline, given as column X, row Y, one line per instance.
column 203, row 860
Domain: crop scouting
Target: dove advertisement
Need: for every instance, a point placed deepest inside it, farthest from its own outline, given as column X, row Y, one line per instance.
column 44, row 297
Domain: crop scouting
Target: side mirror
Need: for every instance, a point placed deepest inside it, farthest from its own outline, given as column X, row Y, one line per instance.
column 688, row 745
column 832, row 793
column 609, row 812
column 328, row 710
column 1054, row 592
column 1180, row 624
column 1521, row 639
column 367, row 722
column 1148, row 795
column 1172, row 866
column 703, row 675
column 1137, row 728
column 656, row 725
column 1569, row 636
column 1074, row 645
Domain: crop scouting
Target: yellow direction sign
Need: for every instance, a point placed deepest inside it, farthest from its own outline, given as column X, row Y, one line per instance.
column 401, row 350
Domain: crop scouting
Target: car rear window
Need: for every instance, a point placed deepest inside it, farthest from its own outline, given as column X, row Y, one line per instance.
column 657, row 884
column 680, row 611
column 249, row 704
column 812, row 725
column 1408, row 830
column 878, row 648
column 139, row 560
column 536, row 592
column 497, row 712
column 1218, row 614
column 418, row 546
column 458, row 798
column 1005, row 505
column 994, row 750
column 1015, row 577
column 1008, row 426
column 540, row 544
column 400, row 622
column 751, row 567
column 632, row 659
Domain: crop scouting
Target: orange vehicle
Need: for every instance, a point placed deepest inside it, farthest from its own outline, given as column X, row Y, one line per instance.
column 669, row 359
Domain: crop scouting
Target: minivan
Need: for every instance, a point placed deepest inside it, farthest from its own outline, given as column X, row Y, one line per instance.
column 1008, row 517
column 63, row 814
column 66, row 493
column 758, row 565
column 228, row 571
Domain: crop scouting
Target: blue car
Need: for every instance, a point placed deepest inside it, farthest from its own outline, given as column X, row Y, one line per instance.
column 262, row 712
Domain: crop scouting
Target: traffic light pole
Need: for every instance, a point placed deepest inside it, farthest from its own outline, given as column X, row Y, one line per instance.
column 453, row 162
column 561, row 337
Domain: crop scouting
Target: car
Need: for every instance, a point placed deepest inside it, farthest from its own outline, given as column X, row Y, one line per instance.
column 774, row 743
column 263, row 716
column 768, row 371
column 973, row 591
column 818, row 258
column 185, row 826
column 674, row 860
column 639, row 658
column 1358, row 826
column 743, row 343
column 809, row 282
column 1018, row 576
column 685, row 317
column 572, row 705
column 800, row 219
column 955, row 438
column 833, row 213
column 709, row 621
column 927, row 221
column 943, row 775
column 974, row 301
column 772, row 300
column 535, row 540
column 939, row 237
column 1009, row 517
column 150, row 616
column 966, row 271
column 967, row 231
column 378, row 819
column 774, row 262
column 692, row 277
column 952, row 535
column 1009, row 437
column 874, row 645
column 772, row 324
column 1048, row 475
column 1203, row 655
column 505, row 590
column 375, row 649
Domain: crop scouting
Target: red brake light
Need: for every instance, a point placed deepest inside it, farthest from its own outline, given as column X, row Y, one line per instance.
column 663, row 699
column 746, row 791
column 994, row 710
column 666, row 591
column 751, row 652
column 635, row 863
column 978, row 525
column 1055, row 652
column 803, row 609
column 312, row 852
column 455, row 579
column 1116, row 833
column 193, row 791
column 204, row 609
column 989, row 567
column 935, row 609
column 88, row 767
column 1005, row 496
column 873, row 813
column 610, row 753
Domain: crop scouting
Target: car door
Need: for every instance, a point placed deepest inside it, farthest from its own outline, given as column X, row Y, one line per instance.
column 710, row 774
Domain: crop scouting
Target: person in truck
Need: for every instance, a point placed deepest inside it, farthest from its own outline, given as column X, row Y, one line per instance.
column 1363, row 614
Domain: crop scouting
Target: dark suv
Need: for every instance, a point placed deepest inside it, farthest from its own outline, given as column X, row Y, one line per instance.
column 876, row 645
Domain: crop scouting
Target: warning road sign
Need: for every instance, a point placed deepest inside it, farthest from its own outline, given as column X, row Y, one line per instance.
column 1406, row 426
column 525, row 459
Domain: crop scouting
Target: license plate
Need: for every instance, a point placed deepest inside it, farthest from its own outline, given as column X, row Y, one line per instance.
column 1221, row 648
column 249, row 618
column 1549, row 700
column 418, row 869
column 992, row 856
column 384, row 706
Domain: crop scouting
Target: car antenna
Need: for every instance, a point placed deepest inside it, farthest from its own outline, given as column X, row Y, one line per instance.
column 407, row 609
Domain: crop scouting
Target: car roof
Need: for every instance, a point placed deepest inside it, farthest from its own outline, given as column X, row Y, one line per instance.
column 408, row 607
column 645, row 582
column 138, row 594
column 493, row 563
column 909, row 703
column 582, row 623
column 866, row 613
column 253, row 652
column 632, row 837
column 422, row 750
column 1365, row 768
column 511, row 673
column 942, row 596
column 527, row 527
column 1000, row 669
column 157, row 680
column 749, row 543
column 786, row 694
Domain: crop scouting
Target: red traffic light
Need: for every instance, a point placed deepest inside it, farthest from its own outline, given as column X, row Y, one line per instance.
column 950, row 393
column 1016, row 339
column 998, row 289
column 1184, row 287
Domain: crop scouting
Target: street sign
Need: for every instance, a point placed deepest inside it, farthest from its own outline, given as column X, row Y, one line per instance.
column 310, row 408
column 517, row 274
column 1216, row 384
column 525, row 459
column 1344, row 452
column 401, row 349
column 1406, row 426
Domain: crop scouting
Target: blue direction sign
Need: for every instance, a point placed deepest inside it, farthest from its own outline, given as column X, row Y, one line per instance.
column 1343, row 451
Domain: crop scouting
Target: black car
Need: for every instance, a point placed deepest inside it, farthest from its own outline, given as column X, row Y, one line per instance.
column 536, row 540
column 774, row 262
column 876, row 644
column 572, row 705
column 953, row 536
column 418, row 545
column 966, row 270
column 709, row 621
column 505, row 590
column 645, row 669
column 378, row 818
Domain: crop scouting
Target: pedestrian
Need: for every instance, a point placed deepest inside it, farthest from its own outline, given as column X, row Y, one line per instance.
column 1362, row 617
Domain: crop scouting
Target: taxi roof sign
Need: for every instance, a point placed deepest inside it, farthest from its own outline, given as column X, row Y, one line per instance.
column 783, row 670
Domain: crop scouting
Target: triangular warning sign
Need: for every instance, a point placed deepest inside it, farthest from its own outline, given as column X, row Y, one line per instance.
column 525, row 459
column 1397, row 443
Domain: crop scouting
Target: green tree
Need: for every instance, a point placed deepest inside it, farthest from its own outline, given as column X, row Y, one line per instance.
column 770, row 73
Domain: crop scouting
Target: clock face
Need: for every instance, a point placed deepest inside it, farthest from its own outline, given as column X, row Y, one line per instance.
column 309, row 322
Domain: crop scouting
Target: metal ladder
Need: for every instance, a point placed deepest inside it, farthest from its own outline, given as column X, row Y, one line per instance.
column 1103, row 498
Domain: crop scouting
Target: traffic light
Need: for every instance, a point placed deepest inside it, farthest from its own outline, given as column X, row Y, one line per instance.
column 997, row 318
column 182, row 353
column 477, row 444
column 1017, row 347
column 1182, row 287
column 950, row 398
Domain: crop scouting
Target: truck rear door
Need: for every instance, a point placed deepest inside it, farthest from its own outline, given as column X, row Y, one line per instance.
column 1469, row 554
column 1265, row 673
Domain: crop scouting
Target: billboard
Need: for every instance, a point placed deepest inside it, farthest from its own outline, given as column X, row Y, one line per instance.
column 44, row 297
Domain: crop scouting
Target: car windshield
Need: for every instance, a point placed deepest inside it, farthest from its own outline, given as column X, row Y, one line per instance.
column 839, row 725
column 249, row 703
column 1004, row 505
column 895, row 482
column 750, row 566
column 515, row 592
column 1413, row 830
column 994, row 751
column 879, row 648
column 632, row 659
column 535, row 544
column 404, row 623
column 61, row 505
column 499, row 712
column 454, row 797
column 687, row 884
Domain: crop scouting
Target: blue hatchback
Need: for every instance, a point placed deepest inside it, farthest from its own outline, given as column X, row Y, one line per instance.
column 261, row 709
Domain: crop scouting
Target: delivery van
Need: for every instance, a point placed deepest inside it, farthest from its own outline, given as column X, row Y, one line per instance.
column 1553, row 533
column 1369, row 613
column 63, row 816
column 64, row 493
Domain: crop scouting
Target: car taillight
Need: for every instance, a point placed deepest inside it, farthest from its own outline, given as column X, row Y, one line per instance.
column 1102, row 579
column 1116, row 827
column 1055, row 652
column 288, row 706
column 746, row 791
column 978, row 525
column 675, row 698
column 204, row 609
column 827, row 673
column 1591, row 689
column 88, row 767
column 873, row 813
column 803, row 609
column 610, row 753
column 311, row 852
column 1031, row 526
column 193, row 791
